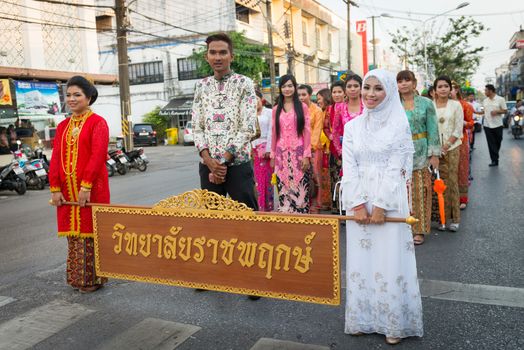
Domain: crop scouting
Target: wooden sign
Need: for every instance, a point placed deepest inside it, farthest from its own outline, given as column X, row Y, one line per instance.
column 202, row 240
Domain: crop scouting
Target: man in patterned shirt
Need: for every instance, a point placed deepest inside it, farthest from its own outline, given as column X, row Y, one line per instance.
column 224, row 119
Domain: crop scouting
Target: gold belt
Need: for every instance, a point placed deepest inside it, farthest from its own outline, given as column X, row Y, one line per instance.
column 419, row 136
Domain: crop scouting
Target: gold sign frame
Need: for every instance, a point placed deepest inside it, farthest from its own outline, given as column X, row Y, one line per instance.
column 204, row 205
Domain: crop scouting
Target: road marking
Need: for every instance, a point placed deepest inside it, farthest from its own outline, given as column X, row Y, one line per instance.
column 469, row 293
column 272, row 344
column 5, row 300
column 472, row 293
column 152, row 333
column 38, row 324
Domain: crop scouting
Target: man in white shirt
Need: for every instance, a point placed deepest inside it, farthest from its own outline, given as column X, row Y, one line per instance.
column 494, row 110
column 477, row 116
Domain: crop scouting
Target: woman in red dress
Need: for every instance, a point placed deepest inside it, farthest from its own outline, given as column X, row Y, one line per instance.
column 469, row 123
column 78, row 173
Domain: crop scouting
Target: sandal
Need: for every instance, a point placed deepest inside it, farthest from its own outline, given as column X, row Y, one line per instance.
column 392, row 341
column 85, row 290
column 418, row 239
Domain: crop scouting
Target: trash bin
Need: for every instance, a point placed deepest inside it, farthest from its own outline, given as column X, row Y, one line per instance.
column 172, row 136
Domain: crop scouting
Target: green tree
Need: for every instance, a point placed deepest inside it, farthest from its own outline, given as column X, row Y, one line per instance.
column 160, row 123
column 249, row 58
column 450, row 54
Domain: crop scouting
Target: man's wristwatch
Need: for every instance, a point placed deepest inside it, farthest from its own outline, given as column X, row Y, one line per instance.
column 224, row 161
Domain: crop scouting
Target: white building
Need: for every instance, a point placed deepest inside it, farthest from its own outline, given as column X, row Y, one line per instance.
column 164, row 34
column 48, row 43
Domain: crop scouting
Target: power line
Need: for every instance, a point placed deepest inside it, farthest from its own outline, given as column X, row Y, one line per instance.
column 44, row 11
column 167, row 24
column 56, row 2
column 446, row 15
column 46, row 23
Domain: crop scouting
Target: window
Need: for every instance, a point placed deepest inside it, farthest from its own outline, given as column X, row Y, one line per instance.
column 242, row 13
column 330, row 44
column 146, row 73
column 187, row 69
column 317, row 38
column 304, row 33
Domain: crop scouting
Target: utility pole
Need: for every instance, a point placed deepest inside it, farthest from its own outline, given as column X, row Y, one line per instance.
column 349, row 3
column 271, row 50
column 123, row 73
column 289, row 49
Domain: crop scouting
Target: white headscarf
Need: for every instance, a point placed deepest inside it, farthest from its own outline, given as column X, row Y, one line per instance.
column 386, row 127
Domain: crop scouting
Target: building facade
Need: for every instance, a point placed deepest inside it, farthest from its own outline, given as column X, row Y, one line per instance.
column 43, row 45
column 510, row 75
column 308, row 38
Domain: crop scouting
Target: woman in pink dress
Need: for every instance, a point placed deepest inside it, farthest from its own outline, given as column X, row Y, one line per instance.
column 334, row 130
column 261, row 160
column 352, row 107
column 291, row 148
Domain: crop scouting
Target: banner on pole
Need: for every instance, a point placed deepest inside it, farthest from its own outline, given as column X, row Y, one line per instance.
column 362, row 31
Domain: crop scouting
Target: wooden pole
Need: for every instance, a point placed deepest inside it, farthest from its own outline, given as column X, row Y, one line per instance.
column 410, row 220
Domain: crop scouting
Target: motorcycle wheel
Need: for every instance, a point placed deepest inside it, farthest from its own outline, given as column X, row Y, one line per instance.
column 32, row 181
column 122, row 169
column 110, row 170
column 21, row 187
column 41, row 184
column 141, row 165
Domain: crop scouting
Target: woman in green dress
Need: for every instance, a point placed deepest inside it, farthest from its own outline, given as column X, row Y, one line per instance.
column 424, row 128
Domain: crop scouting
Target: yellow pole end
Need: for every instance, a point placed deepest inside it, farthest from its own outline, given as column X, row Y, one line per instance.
column 411, row 220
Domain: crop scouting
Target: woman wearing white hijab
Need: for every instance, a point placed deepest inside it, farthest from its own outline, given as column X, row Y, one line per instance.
column 382, row 294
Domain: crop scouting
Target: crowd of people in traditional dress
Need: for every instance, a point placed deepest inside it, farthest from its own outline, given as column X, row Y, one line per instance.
column 366, row 147
column 301, row 143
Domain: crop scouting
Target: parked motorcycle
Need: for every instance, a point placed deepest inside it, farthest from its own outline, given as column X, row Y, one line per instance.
column 516, row 128
column 35, row 174
column 121, row 161
column 110, row 165
column 12, row 178
column 39, row 154
column 137, row 159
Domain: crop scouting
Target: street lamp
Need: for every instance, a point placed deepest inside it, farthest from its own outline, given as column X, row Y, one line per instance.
column 349, row 3
column 373, row 40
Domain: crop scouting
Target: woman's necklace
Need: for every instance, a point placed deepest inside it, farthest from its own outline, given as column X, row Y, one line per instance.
column 409, row 104
column 441, row 104
column 71, row 135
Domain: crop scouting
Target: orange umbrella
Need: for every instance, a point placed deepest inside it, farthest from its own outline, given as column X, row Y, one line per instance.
column 439, row 187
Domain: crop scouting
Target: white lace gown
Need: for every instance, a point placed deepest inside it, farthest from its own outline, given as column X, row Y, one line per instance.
column 382, row 294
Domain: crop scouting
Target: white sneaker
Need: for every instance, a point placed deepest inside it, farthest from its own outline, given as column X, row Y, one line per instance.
column 441, row 227
column 453, row 227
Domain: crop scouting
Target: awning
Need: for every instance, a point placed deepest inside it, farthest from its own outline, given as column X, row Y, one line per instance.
column 177, row 106
column 45, row 74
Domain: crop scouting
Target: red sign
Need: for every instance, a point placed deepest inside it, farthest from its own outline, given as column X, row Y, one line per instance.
column 362, row 31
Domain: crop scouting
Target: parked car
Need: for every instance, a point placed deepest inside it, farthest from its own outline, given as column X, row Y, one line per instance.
column 188, row 134
column 507, row 116
column 143, row 134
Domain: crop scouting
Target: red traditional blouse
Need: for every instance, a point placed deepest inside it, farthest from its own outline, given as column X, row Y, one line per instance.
column 79, row 162
column 469, row 122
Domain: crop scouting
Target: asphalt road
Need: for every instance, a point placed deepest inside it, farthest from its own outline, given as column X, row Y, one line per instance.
column 472, row 281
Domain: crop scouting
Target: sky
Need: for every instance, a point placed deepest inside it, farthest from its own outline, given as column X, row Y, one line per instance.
column 503, row 17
